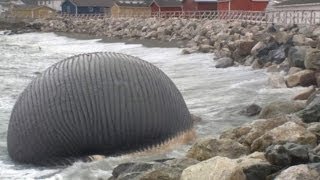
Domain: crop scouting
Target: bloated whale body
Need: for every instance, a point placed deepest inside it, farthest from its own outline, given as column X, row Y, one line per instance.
column 99, row 103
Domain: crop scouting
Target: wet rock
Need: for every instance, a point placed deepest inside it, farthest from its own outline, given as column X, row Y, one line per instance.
column 296, row 56
column 311, row 113
column 224, row 62
column 303, row 78
column 251, row 110
column 288, row 132
column 189, row 50
column 133, row 170
column 214, row 168
column 294, row 70
column 300, row 172
column 276, row 80
column 205, row 48
column 278, row 108
column 312, row 60
column 172, row 171
column 304, row 95
column 196, row 118
column 207, row 148
column 257, row 64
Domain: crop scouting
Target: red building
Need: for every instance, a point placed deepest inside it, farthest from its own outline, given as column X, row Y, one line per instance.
column 200, row 5
column 244, row 5
column 166, row 5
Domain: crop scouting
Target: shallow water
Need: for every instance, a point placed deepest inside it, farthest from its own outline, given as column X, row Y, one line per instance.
column 217, row 95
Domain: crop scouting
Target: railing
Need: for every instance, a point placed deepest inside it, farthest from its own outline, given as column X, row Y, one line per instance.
column 302, row 17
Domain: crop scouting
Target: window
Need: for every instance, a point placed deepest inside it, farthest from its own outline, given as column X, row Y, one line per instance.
column 90, row 9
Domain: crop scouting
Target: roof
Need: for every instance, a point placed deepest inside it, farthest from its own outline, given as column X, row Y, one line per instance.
column 169, row 3
column 31, row 7
column 205, row 0
column 94, row 3
column 133, row 3
column 293, row 2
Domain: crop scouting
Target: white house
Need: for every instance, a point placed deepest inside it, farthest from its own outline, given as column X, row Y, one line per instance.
column 54, row 4
column 294, row 5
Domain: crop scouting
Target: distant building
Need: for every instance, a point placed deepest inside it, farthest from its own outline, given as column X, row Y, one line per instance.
column 86, row 6
column 296, row 5
column 32, row 11
column 166, row 5
column 54, row 4
column 242, row 5
column 131, row 8
column 200, row 5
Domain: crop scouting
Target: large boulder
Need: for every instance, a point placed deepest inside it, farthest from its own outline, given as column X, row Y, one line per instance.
column 249, row 132
column 278, row 108
column 288, row 154
column 301, row 172
column 251, row 167
column 288, row 132
column 224, row 62
column 312, row 60
column 305, row 94
column 303, row 78
column 216, row 168
column 296, row 56
column 312, row 111
column 207, row 148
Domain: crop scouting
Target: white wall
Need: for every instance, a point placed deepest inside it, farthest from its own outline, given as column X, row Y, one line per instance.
column 54, row 4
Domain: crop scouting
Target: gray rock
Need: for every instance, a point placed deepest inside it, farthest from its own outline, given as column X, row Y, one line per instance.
column 301, row 172
column 251, row 110
column 296, row 56
column 312, row 111
column 312, row 60
column 278, row 108
column 288, row 154
column 224, row 62
column 133, row 170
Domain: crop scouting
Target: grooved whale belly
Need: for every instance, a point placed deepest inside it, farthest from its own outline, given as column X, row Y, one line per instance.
column 99, row 103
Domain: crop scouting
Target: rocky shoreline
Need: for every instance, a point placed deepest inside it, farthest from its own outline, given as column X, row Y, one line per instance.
column 282, row 144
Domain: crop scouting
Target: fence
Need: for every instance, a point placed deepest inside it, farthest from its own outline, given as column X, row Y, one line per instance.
column 301, row 17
